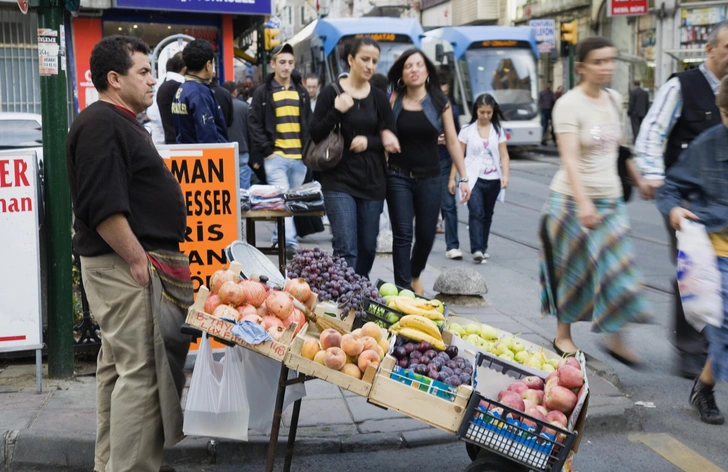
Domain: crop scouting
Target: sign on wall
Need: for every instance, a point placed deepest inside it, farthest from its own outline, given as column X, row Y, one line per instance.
column 20, row 311
column 208, row 175
column 545, row 34
column 239, row 7
column 627, row 7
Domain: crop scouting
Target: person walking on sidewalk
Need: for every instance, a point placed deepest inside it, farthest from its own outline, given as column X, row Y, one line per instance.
column 355, row 189
column 448, row 205
column 130, row 217
column 414, row 187
column 639, row 105
column 695, row 188
column 279, row 118
column 546, row 102
column 486, row 159
column 684, row 108
column 197, row 115
column 587, row 268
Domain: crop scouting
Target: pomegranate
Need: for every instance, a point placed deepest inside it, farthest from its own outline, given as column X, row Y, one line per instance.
column 254, row 292
column 230, row 294
column 269, row 321
column 226, row 311
column 279, row 304
column 220, row 277
column 253, row 318
column 296, row 317
column 262, row 310
column 246, row 309
column 212, row 302
column 570, row 377
column 299, row 289
column 560, row 398
column 276, row 332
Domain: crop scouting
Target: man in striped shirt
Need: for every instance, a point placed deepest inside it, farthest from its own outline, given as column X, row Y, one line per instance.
column 279, row 117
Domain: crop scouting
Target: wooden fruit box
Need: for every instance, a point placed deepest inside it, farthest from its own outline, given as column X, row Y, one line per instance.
column 347, row 324
column 223, row 329
column 295, row 361
column 426, row 407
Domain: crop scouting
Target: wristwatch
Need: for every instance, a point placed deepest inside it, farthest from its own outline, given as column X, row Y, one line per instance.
column 463, row 181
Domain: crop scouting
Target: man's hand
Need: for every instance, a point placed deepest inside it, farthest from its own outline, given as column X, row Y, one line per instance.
column 650, row 188
column 390, row 142
column 441, row 139
column 465, row 190
column 677, row 214
column 588, row 215
column 343, row 102
column 452, row 186
column 359, row 144
column 140, row 272
column 271, row 156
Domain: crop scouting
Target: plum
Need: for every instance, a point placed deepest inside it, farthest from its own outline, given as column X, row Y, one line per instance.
column 424, row 347
column 451, row 351
column 453, row 380
column 415, row 355
column 458, row 358
column 434, row 375
column 409, row 347
column 457, row 371
column 431, row 353
column 424, row 360
column 437, row 363
column 400, row 353
column 413, row 364
column 468, row 370
column 465, row 379
column 452, row 364
column 399, row 342
column 421, row 369
column 446, row 371
column 403, row 363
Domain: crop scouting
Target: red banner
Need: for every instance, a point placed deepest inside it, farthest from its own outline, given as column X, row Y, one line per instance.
column 627, row 7
column 86, row 33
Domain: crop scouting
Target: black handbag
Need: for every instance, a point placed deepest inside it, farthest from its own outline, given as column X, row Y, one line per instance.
column 624, row 154
column 326, row 154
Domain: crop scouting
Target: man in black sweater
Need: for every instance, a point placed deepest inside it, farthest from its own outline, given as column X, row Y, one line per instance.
column 162, row 115
column 130, row 218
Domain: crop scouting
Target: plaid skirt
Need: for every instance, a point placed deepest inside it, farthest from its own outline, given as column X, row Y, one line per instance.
column 589, row 275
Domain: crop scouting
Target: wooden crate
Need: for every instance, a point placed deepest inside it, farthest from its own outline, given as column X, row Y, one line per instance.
column 422, row 406
column 222, row 329
column 347, row 324
column 295, row 361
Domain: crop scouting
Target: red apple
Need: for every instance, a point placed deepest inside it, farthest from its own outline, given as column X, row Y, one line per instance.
column 533, row 382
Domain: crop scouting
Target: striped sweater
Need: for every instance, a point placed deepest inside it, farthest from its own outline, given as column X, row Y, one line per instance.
column 287, row 108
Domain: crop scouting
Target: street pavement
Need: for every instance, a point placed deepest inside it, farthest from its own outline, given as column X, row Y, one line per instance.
column 54, row 430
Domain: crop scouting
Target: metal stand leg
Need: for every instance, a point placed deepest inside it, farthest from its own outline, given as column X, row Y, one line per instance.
column 277, row 417
column 292, row 432
column 39, row 378
column 250, row 231
column 282, row 244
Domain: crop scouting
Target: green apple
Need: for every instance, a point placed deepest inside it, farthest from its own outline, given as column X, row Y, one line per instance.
column 518, row 346
column 522, row 356
column 388, row 290
column 507, row 355
column 548, row 368
column 407, row 293
column 392, row 318
column 473, row 329
column 488, row 332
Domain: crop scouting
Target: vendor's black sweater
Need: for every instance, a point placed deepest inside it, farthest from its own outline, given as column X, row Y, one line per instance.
column 113, row 167
column 362, row 175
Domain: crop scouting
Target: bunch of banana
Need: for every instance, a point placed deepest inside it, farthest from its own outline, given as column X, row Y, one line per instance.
column 430, row 309
column 419, row 328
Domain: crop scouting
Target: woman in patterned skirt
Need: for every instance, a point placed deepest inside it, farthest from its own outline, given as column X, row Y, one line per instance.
column 588, row 270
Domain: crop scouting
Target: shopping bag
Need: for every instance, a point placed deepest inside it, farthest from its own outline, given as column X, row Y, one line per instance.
column 217, row 403
column 698, row 277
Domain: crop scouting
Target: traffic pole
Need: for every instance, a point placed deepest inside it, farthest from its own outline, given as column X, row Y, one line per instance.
column 54, row 111
column 572, row 84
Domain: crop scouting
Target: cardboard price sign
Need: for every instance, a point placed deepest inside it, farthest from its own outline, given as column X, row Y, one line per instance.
column 208, row 175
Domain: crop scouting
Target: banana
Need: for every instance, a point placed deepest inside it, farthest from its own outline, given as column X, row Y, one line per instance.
column 395, row 327
column 421, row 323
column 408, row 308
column 416, row 335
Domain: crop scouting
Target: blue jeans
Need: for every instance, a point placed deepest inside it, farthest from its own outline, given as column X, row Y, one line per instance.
column 245, row 170
column 409, row 199
column 449, row 209
column 286, row 174
column 481, row 205
column 718, row 337
column 355, row 227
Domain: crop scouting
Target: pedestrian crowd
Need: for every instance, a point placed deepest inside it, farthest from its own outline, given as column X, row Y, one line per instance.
column 403, row 145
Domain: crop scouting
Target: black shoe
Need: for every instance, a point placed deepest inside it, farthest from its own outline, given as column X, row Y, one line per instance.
column 290, row 252
column 690, row 366
column 703, row 400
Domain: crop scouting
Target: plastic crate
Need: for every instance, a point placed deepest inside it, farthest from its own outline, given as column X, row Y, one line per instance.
column 378, row 312
column 540, row 446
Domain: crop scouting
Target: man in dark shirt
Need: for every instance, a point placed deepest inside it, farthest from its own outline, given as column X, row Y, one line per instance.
column 130, row 218
column 224, row 99
column 197, row 115
column 546, row 104
column 639, row 105
column 173, row 78
column 238, row 132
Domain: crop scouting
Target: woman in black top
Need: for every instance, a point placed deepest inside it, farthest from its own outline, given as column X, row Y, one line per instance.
column 354, row 190
column 414, row 188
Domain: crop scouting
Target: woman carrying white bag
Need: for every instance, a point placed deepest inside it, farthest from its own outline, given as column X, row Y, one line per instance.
column 696, row 188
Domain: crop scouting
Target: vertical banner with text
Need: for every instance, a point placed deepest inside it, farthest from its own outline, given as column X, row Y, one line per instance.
column 20, row 311
column 208, row 175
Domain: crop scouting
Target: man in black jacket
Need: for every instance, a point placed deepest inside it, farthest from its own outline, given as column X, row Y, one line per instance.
column 639, row 105
column 279, row 116
column 173, row 78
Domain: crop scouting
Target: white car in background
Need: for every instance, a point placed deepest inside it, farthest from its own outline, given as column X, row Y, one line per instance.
column 22, row 131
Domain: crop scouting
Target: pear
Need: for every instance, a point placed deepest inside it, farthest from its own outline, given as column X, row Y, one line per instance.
column 488, row 332
column 548, row 368
column 522, row 356
column 473, row 329
column 502, row 348
column 472, row 339
column 507, row 355
column 534, row 362
column 518, row 346
column 553, row 363
column 508, row 342
column 454, row 327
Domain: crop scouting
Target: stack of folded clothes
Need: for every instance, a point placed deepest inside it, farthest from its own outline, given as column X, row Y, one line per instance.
column 266, row 197
column 244, row 201
column 305, row 199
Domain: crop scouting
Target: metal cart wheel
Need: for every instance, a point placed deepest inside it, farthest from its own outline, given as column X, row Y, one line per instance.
column 488, row 462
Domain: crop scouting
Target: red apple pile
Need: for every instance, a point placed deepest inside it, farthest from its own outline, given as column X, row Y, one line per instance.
column 248, row 300
column 551, row 401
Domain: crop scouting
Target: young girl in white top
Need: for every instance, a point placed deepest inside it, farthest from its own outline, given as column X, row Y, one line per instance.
column 488, row 165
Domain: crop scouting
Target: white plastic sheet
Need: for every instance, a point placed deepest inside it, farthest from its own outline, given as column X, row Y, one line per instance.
column 698, row 277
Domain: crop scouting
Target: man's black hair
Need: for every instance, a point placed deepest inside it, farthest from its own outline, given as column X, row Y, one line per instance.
column 198, row 53
column 113, row 53
column 175, row 63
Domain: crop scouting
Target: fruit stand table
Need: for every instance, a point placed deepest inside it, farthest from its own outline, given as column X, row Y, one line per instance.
column 279, row 216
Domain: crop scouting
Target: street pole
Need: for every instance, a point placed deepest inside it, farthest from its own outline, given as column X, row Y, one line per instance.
column 57, row 202
column 572, row 84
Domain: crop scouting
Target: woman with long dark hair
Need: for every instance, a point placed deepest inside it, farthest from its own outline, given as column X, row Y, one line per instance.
column 414, row 192
column 588, row 269
column 355, row 189
column 488, row 164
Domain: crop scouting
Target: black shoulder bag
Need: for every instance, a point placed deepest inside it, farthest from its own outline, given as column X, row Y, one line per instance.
column 326, row 154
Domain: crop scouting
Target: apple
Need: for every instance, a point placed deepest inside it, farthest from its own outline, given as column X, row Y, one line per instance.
column 570, row 377
column 533, row 382
column 536, row 396
column 560, row 398
column 519, row 387
column 388, row 290
column 558, row 417
column 544, row 411
column 407, row 293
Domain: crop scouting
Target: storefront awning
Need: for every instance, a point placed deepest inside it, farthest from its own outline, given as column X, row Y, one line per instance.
column 687, row 55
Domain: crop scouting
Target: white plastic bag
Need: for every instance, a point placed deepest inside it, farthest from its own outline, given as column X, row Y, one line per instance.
column 217, row 402
column 698, row 277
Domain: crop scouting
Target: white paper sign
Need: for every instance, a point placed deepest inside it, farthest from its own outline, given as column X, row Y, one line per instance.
column 545, row 33
column 20, row 310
